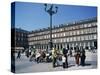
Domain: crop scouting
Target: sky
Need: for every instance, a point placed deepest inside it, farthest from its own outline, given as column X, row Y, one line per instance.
column 32, row 16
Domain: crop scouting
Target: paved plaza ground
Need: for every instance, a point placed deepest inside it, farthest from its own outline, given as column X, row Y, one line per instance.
column 23, row 65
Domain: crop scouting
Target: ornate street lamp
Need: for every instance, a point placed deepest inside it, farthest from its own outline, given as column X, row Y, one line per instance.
column 51, row 12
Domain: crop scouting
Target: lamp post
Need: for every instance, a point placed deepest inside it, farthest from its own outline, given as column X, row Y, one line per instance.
column 51, row 12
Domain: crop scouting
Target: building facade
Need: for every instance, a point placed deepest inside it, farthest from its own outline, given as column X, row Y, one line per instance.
column 19, row 38
column 81, row 33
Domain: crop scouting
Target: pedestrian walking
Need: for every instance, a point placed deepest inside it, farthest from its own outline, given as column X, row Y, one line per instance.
column 19, row 54
column 27, row 54
column 32, row 57
column 65, row 58
column 54, row 57
column 77, row 56
column 59, row 58
column 70, row 53
column 30, row 52
column 43, row 56
column 63, row 61
column 38, row 57
column 83, row 57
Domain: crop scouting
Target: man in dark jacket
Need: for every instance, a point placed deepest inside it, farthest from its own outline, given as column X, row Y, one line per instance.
column 83, row 57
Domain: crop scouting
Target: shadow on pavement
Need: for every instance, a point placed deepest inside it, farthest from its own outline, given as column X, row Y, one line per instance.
column 87, row 64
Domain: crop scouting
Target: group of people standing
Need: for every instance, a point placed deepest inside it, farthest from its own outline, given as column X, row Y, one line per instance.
column 79, row 55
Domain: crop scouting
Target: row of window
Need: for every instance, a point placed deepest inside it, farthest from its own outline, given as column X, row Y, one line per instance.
column 63, row 34
column 76, row 38
column 21, row 34
column 67, row 28
column 75, row 27
column 20, row 39
column 21, row 44
column 69, row 39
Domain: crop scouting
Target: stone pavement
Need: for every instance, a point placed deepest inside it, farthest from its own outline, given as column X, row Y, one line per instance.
column 23, row 65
